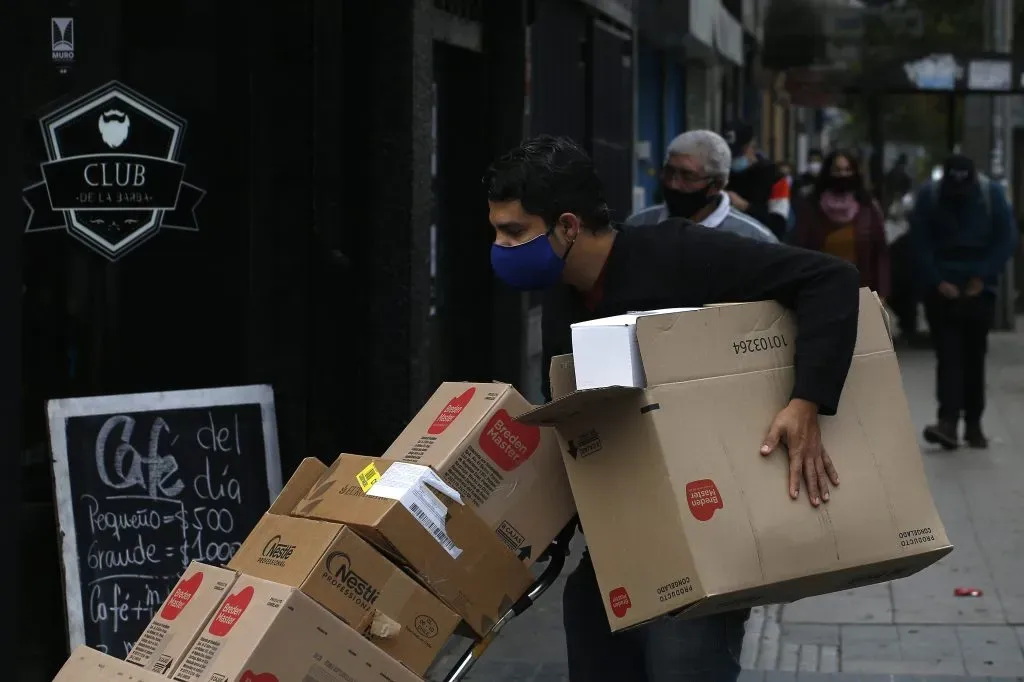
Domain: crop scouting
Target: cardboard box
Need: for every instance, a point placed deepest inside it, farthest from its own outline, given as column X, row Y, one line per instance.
column 511, row 473
column 348, row 577
column 305, row 477
column 268, row 632
column 416, row 518
column 179, row 621
column 681, row 512
column 606, row 353
column 89, row 665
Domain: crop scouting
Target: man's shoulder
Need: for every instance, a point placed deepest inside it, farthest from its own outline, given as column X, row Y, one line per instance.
column 651, row 215
column 738, row 222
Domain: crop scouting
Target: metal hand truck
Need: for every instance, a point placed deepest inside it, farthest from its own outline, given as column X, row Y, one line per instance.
column 555, row 555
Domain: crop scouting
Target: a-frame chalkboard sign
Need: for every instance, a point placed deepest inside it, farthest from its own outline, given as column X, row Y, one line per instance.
column 145, row 484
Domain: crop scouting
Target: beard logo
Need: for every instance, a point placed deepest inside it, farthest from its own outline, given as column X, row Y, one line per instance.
column 112, row 177
column 114, row 126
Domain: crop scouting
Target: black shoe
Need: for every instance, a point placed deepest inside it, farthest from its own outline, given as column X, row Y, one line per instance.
column 974, row 436
column 944, row 434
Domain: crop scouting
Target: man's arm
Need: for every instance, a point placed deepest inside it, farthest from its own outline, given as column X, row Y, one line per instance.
column 822, row 289
column 921, row 240
column 1004, row 235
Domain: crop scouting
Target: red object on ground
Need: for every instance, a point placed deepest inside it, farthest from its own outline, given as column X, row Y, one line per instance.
column 967, row 592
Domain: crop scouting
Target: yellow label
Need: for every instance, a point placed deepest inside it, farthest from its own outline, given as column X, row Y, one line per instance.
column 367, row 477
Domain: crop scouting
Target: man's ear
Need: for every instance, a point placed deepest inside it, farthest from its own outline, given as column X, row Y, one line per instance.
column 571, row 225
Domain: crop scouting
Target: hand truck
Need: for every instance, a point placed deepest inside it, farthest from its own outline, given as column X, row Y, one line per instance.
column 555, row 555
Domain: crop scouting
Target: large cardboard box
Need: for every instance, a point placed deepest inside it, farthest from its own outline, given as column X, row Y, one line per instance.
column 179, row 621
column 268, row 632
column 512, row 473
column 682, row 513
column 416, row 518
column 347, row 576
column 89, row 665
column 309, row 471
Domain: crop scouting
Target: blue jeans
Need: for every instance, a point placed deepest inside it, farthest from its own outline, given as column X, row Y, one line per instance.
column 666, row 650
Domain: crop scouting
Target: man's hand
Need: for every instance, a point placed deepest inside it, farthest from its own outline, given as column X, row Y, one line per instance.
column 739, row 202
column 796, row 427
column 949, row 290
column 974, row 286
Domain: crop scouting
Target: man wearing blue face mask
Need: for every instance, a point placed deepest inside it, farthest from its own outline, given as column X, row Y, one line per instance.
column 756, row 186
column 553, row 232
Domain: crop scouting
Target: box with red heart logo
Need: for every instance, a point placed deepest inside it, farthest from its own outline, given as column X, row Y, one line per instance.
column 268, row 632
column 347, row 576
column 417, row 519
column 179, row 621
column 682, row 513
column 511, row 473
column 89, row 665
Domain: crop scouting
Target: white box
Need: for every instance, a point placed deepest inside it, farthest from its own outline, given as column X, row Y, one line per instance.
column 605, row 351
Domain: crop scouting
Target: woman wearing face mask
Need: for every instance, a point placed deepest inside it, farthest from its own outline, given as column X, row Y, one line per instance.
column 840, row 218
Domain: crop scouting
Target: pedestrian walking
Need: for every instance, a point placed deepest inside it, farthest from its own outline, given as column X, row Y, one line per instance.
column 756, row 186
column 805, row 181
column 693, row 182
column 553, row 232
column 963, row 234
column 842, row 219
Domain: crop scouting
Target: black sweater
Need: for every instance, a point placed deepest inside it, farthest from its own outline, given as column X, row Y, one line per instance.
column 678, row 264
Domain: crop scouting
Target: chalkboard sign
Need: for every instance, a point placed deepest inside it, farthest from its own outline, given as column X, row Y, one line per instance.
column 146, row 483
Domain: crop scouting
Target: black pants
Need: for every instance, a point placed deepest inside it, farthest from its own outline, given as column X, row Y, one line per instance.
column 959, row 331
column 903, row 297
column 666, row 650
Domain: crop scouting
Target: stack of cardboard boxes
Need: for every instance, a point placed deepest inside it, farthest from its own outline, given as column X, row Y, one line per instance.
column 362, row 571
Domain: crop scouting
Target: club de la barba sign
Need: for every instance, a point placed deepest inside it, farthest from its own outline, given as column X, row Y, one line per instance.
column 112, row 178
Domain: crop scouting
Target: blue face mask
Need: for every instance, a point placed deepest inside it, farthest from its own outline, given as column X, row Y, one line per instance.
column 740, row 164
column 530, row 266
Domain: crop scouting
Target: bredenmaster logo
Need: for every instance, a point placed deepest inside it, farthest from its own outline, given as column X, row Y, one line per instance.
column 113, row 178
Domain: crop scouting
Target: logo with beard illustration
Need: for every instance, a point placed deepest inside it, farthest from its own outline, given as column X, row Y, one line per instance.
column 114, row 190
column 114, row 126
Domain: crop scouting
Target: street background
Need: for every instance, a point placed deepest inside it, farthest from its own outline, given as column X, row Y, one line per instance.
column 911, row 630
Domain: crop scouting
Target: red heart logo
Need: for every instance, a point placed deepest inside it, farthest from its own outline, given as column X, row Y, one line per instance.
column 250, row 676
column 619, row 600
column 181, row 596
column 451, row 411
column 507, row 442
column 704, row 498
column 230, row 611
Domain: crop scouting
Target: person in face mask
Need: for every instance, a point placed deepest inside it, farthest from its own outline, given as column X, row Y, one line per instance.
column 756, row 186
column 805, row 181
column 552, row 231
column 962, row 233
column 695, row 173
column 840, row 218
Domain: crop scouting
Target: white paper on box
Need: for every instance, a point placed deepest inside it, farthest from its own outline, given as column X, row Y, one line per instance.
column 606, row 353
column 407, row 483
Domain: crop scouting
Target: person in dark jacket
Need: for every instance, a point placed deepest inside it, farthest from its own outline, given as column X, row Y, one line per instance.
column 962, row 233
column 756, row 186
column 840, row 217
column 553, row 232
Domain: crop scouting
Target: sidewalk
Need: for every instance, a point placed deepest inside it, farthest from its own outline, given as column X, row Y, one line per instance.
column 914, row 629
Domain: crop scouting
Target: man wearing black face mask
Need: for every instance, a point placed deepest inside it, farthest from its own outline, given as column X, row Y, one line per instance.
column 963, row 234
column 552, row 232
column 695, row 173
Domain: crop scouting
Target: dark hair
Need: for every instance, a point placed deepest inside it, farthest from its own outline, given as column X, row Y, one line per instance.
column 821, row 182
column 814, row 152
column 550, row 176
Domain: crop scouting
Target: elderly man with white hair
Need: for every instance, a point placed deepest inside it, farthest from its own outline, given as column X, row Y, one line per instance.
column 693, row 182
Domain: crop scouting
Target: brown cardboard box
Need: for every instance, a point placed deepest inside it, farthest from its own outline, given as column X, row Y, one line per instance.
column 305, row 477
column 680, row 511
column 89, row 665
column 348, row 577
column 512, row 473
column 179, row 621
column 268, row 632
column 416, row 518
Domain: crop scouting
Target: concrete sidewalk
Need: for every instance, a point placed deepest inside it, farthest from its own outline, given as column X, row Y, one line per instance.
column 914, row 629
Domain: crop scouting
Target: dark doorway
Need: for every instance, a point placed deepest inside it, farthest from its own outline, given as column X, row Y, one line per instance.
column 610, row 104
column 463, row 282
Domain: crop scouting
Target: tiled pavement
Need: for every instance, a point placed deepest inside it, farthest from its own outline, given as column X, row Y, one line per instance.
column 911, row 630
